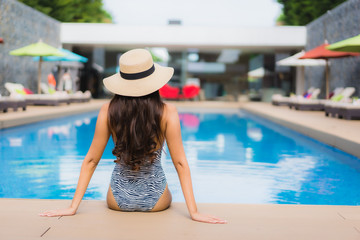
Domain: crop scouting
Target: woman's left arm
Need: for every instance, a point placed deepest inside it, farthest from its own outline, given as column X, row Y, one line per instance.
column 176, row 149
column 92, row 158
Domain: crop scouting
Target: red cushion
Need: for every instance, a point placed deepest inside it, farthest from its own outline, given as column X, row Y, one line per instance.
column 28, row 91
column 51, row 80
column 169, row 92
column 191, row 91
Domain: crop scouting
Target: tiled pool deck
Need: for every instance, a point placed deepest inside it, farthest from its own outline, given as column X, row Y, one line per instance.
column 19, row 219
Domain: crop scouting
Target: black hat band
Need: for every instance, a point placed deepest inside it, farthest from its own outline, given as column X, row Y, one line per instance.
column 135, row 76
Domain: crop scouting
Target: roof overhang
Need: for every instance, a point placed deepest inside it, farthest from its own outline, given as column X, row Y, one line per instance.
column 183, row 37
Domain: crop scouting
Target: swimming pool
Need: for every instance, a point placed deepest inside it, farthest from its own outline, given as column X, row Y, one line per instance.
column 234, row 157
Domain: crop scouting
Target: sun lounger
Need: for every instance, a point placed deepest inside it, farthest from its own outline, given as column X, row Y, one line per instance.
column 311, row 103
column 46, row 99
column 317, row 104
column 80, row 96
column 4, row 105
column 337, row 91
column 14, row 103
column 349, row 111
column 54, row 99
column 332, row 106
column 279, row 100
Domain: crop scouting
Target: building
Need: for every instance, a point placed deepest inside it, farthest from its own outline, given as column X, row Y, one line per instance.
column 225, row 61
column 219, row 57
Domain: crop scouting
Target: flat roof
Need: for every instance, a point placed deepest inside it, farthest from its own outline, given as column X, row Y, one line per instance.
column 182, row 37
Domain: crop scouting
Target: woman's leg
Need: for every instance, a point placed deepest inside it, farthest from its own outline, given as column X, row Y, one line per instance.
column 111, row 200
column 164, row 201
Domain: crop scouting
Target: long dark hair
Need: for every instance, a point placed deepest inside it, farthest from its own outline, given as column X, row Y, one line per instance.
column 135, row 124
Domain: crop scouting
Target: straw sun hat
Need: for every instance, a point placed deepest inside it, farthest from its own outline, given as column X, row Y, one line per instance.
column 139, row 75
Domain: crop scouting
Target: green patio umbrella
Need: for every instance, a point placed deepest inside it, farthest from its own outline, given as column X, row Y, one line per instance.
column 347, row 45
column 39, row 49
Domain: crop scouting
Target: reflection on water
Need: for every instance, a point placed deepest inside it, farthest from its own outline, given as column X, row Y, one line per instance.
column 15, row 141
column 190, row 121
column 234, row 158
column 253, row 132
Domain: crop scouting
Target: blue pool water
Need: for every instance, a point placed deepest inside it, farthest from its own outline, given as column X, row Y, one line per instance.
column 234, row 158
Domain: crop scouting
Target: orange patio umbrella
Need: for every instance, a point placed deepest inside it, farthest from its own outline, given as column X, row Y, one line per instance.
column 1, row 40
column 321, row 52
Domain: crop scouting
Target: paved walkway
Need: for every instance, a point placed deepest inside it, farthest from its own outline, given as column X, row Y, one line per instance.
column 19, row 219
column 39, row 113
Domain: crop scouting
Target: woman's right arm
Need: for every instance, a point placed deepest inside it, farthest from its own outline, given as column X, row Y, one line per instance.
column 175, row 145
column 92, row 158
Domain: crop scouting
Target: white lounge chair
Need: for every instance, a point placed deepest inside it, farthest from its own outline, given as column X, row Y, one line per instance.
column 17, row 90
column 332, row 106
column 349, row 110
column 316, row 104
column 311, row 103
column 279, row 100
column 78, row 96
column 12, row 102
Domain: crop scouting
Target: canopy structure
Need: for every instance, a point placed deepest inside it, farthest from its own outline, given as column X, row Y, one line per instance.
column 347, row 45
column 321, row 52
column 258, row 73
column 68, row 57
column 1, row 40
column 39, row 49
column 295, row 61
column 300, row 64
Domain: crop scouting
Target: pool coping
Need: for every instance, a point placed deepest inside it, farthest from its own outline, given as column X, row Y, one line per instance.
column 40, row 113
column 20, row 220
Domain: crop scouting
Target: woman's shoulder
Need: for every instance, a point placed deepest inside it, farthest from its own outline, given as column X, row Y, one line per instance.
column 106, row 105
column 104, row 109
column 170, row 116
column 170, row 111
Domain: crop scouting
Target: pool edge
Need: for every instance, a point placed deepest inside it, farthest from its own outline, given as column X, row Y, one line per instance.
column 41, row 113
column 245, row 221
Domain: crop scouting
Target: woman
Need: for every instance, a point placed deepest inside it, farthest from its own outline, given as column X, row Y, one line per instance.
column 139, row 123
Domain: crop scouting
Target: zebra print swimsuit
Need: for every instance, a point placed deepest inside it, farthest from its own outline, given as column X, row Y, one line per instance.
column 138, row 190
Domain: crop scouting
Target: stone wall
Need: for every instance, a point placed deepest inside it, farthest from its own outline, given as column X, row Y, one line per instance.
column 336, row 25
column 21, row 25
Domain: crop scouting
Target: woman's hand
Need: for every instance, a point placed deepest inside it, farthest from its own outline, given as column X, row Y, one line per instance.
column 58, row 212
column 207, row 218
